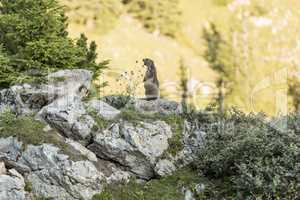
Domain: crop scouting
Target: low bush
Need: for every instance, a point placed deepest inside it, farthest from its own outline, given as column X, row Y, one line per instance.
column 255, row 160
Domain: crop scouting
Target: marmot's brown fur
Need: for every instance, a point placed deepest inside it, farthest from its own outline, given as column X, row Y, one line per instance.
column 151, row 83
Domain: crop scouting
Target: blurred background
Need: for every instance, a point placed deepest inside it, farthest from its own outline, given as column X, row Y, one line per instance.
column 243, row 53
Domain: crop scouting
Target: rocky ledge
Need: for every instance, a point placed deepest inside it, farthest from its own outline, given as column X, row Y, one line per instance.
column 103, row 142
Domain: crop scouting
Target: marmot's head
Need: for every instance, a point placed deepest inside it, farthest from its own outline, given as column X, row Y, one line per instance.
column 149, row 64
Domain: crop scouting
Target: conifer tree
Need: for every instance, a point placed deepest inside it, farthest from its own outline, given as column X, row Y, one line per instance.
column 294, row 92
column 34, row 38
column 215, row 55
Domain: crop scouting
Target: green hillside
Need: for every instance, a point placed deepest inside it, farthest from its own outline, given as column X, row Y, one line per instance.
column 263, row 35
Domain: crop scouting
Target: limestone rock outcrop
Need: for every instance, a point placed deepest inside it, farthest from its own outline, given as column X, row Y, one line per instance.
column 117, row 151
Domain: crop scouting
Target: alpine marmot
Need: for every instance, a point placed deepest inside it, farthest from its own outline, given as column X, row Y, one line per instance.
column 151, row 83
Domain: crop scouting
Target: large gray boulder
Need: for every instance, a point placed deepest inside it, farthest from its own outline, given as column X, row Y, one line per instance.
column 30, row 99
column 135, row 146
column 160, row 106
column 82, row 150
column 69, row 117
column 10, row 148
column 8, row 100
column 103, row 109
column 10, row 152
column 2, row 168
column 75, row 180
column 27, row 99
column 12, row 186
column 41, row 157
column 164, row 167
column 55, row 176
column 76, row 82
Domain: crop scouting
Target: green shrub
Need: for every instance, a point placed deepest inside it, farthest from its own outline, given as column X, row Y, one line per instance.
column 102, row 196
column 28, row 186
column 177, row 126
column 34, row 38
column 256, row 159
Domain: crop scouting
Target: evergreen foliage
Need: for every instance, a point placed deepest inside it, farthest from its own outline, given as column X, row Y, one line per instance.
column 215, row 55
column 183, row 84
column 34, row 38
column 6, row 71
column 294, row 92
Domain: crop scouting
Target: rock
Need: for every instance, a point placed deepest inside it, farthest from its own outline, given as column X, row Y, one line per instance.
column 8, row 100
column 76, row 82
column 117, row 101
column 14, row 173
column 188, row 195
column 73, row 180
column 22, row 169
column 160, row 106
column 2, row 168
column 41, row 157
column 69, row 117
column 28, row 99
column 199, row 188
column 29, row 196
column 25, row 99
column 136, row 147
column 193, row 142
column 114, row 172
column 12, row 186
column 10, row 148
column 47, row 128
column 82, row 150
column 32, row 98
column 10, row 151
column 164, row 167
column 54, row 176
column 118, row 176
column 103, row 110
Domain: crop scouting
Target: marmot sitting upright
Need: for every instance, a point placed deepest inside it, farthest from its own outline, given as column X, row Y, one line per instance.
column 151, row 83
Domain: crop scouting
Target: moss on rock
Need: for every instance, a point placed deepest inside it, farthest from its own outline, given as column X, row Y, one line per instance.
column 31, row 132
